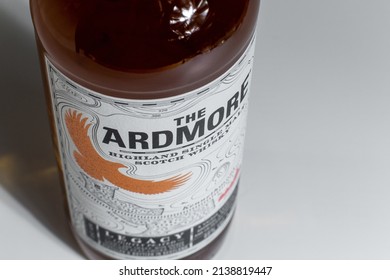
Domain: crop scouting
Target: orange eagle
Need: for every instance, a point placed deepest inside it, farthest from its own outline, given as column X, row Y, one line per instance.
column 99, row 168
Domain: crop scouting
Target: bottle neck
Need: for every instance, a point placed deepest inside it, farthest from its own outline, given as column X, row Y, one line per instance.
column 149, row 35
column 56, row 22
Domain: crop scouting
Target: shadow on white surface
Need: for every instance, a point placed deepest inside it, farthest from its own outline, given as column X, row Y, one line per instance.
column 28, row 170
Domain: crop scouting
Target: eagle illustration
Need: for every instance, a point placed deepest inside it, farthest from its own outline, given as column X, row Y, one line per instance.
column 101, row 169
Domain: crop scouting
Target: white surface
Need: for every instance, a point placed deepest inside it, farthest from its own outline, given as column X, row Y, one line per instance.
column 316, row 180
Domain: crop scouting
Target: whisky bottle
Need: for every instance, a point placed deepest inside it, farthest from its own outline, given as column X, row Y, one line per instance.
column 147, row 101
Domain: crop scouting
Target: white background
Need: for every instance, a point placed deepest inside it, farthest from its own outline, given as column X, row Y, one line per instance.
column 316, row 180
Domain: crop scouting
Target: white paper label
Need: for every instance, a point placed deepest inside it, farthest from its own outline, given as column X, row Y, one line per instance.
column 152, row 179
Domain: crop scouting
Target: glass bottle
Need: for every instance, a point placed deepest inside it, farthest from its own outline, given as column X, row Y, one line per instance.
column 147, row 102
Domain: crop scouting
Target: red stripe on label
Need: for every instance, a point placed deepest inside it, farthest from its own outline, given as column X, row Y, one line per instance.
column 231, row 185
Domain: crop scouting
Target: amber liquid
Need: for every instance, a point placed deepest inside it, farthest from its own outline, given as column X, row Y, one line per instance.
column 142, row 49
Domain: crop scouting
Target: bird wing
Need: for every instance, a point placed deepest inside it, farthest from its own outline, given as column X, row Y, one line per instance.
column 99, row 168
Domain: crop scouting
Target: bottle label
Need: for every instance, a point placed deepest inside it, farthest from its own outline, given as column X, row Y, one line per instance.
column 152, row 179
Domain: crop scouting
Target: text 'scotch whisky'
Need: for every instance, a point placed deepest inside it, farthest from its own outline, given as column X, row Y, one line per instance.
column 147, row 101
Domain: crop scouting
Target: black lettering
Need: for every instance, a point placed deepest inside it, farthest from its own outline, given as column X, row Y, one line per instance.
column 112, row 135
column 190, row 118
column 178, row 120
column 210, row 123
column 184, row 132
column 201, row 113
column 138, row 137
column 158, row 143
column 244, row 87
column 233, row 102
